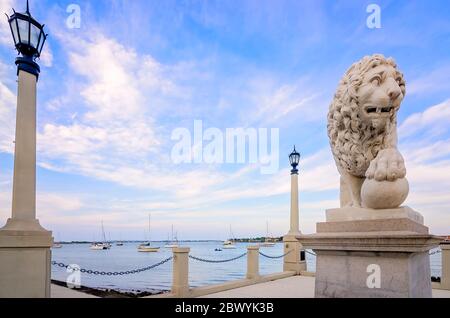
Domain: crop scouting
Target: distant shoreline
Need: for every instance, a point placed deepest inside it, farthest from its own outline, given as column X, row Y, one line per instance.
column 237, row 240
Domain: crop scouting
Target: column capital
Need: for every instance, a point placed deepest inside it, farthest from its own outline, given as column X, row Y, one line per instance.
column 181, row 249
column 27, row 64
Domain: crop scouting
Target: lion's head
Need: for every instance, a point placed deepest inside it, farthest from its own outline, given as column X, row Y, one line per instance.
column 364, row 111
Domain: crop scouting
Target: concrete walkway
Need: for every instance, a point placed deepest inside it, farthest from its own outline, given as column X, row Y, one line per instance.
column 64, row 292
column 291, row 287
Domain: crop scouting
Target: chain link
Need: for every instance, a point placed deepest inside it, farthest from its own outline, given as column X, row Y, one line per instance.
column 275, row 257
column 102, row 273
column 216, row 261
column 435, row 252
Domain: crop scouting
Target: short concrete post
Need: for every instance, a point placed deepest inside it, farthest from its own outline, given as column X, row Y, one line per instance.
column 445, row 277
column 180, row 284
column 252, row 262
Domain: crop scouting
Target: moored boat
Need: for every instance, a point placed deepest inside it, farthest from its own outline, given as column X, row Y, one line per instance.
column 100, row 246
column 96, row 246
column 229, row 244
column 146, row 247
column 268, row 241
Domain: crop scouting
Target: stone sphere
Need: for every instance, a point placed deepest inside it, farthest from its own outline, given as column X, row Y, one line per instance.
column 384, row 194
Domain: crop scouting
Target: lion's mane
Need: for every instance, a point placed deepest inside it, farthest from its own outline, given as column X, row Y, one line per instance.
column 354, row 145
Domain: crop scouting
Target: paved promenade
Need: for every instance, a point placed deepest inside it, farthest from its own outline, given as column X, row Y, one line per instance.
column 63, row 292
column 291, row 287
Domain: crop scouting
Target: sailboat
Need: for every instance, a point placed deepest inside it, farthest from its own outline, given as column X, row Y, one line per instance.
column 119, row 243
column 146, row 247
column 267, row 242
column 229, row 244
column 57, row 244
column 173, row 243
column 101, row 246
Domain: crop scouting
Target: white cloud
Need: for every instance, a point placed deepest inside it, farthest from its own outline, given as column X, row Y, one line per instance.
column 5, row 31
column 437, row 80
column 275, row 101
column 47, row 55
column 435, row 119
column 48, row 205
column 117, row 128
column 7, row 114
column 426, row 149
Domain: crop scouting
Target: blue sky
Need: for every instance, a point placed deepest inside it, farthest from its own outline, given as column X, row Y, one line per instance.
column 112, row 91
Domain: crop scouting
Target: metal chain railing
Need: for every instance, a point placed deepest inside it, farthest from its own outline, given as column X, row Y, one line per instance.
column 216, row 261
column 275, row 257
column 102, row 273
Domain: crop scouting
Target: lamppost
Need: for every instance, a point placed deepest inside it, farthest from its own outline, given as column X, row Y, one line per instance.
column 294, row 259
column 294, row 159
column 24, row 243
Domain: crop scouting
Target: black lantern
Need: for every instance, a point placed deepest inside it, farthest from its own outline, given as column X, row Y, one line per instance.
column 29, row 38
column 294, row 159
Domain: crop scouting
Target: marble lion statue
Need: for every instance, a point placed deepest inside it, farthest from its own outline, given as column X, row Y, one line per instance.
column 362, row 128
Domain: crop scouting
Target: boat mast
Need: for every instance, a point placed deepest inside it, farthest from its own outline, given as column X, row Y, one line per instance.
column 149, row 235
column 231, row 234
column 103, row 233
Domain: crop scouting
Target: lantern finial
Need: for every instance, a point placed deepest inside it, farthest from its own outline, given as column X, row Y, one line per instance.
column 29, row 38
column 294, row 159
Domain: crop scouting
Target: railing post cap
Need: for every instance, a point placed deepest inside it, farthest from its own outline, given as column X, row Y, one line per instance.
column 253, row 247
column 181, row 249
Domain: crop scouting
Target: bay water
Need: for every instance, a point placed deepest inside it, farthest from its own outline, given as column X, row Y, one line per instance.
column 127, row 257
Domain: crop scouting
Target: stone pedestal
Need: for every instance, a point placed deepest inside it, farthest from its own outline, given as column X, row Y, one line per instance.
column 372, row 253
column 25, row 258
column 294, row 260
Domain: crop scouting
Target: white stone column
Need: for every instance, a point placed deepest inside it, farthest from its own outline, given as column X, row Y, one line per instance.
column 24, row 184
column 292, row 247
column 252, row 262
column 24, row 245
column 180, row 283
column 294, row 229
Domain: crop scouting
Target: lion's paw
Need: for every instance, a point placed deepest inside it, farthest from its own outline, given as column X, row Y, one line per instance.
column 388, row 165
